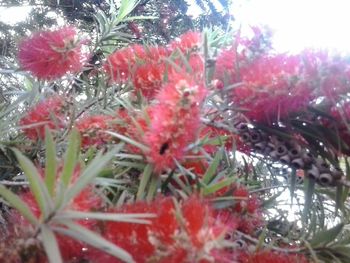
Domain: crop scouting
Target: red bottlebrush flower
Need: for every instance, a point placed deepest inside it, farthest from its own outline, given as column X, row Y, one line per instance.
column 141, row 240
column 148, row 79
column 197, row 165
column 330, row 75
column 241, row 193
column 177, row 112
column 341, row 115
column 121, row 65
column 92, row 130
column 187, row 42
column 47, row 113
column 269, row 87
column 167, row 238
column 50, row 55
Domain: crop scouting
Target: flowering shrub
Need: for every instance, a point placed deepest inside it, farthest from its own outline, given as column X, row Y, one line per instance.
column 179, row 152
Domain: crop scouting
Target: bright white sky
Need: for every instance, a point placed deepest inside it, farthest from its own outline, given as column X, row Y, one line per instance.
column 297, row 23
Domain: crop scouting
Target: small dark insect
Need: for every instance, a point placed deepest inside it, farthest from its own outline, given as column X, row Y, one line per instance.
column 163, row 148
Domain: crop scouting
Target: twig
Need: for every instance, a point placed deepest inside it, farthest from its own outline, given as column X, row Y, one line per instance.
column 6, row 182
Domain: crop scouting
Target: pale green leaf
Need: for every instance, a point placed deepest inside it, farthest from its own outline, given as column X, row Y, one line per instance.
column 50, row 245
column 50, row 164
column 36, row 183
column 71, row 157
column 78, row 232
column 18, row 204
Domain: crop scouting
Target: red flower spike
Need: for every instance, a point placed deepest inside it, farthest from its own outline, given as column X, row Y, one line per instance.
column 49, row 55
column 189, row 41
column 47, row 113
column 92, row 130
column 177, row 112
column 148, row 79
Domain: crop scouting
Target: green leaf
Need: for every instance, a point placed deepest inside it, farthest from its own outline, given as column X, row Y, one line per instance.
column 129, row 218
column 338, row 199
column 145, row 178
column 271, row 202
column 71, row 157
column 50, row 164
column 89, row 174
column 18, row 204
column 324, row 237
column 50, row 245
column 219, row 185
column 36, row 184
column 293, row 180
column 346, row 188
column 126, row 8
column 210, row 173
column 131, row 18
column 78, row 232
column 309, row 188
column 142, row 147
column 152, row 189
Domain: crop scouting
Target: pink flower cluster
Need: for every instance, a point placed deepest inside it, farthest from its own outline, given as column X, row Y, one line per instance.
column 146, row 67
column 270, row 87
column 49, row 55
column 47, row 113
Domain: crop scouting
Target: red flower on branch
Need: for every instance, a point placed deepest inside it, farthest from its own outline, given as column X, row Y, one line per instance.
column 92, row 130
column 189, row 41
column 49, row 55
column 177, row 112
column 188, row 235
column 47, row 113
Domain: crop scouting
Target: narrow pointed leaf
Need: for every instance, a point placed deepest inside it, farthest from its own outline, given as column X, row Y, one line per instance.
column 89, row 174
column 293, row 180
column 50, row 164
column 130, row 218
column 36, row 184
column 324, row 237
column 18, row 204
column 309, row 188
column 145, row 178
column 71, row 157
column 128, row 140
column 50, row 245
column 210, row 173
column 87, row 236
column 219, row 185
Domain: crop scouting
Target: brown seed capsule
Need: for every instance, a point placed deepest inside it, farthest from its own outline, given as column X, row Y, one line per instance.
column 281, row 150
column 274, row 155
column 297, row 163
column 337, row 174
column 276, row 140
column 307, row 158
column 246, row 137
column 313, row 172
column 255, row 136
column 260, row 146
column 294, row 152
column 325, row 179
column 322, row 166
column 242, row 127
column 285, row 159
